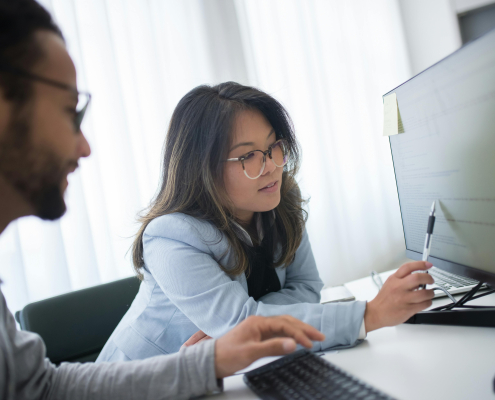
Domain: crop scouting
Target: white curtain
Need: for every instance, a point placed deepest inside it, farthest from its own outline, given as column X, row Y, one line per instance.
column 328, row 61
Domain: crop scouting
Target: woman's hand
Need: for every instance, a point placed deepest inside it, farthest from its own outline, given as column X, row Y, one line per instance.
column 199, row 336
column 399, row 299
column 257, row 337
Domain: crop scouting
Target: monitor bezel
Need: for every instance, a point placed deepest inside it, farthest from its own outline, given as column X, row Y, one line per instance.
column 450, row 266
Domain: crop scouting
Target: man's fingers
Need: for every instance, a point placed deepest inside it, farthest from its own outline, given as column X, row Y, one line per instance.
column 314, row 334
column 407, row 268
column 272, row 347
column 284, row 329
column 309, row 331
column 412, row 281
column 258, row 337
column 283, row 326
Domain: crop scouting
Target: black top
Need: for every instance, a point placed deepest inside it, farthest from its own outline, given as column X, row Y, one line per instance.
column 261, row 275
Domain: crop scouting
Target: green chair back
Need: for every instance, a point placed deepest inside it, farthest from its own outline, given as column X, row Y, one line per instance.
column 75, row 326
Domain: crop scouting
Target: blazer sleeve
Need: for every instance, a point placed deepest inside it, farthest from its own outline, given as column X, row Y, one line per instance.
column 302, row 280
column 183, row 265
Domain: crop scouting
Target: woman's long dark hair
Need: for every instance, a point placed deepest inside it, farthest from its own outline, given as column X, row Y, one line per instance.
column 198, row 139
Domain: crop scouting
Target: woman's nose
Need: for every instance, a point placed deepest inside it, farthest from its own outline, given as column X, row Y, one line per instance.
column 269, row 165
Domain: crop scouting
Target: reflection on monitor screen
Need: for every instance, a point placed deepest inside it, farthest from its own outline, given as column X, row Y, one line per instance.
column 447, row 152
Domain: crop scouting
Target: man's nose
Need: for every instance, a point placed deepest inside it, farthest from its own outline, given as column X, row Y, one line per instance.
column 84, row 150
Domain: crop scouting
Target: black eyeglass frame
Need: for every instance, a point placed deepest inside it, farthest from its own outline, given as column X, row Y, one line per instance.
column 20, row 72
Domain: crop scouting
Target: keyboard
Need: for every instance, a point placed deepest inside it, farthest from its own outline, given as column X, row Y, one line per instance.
column 304, row 375
column 453, row 283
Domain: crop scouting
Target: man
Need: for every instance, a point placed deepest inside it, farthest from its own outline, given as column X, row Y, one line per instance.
column 40, row 144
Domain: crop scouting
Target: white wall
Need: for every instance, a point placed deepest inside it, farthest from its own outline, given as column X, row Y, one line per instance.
column 432, row 30
column 329, row 63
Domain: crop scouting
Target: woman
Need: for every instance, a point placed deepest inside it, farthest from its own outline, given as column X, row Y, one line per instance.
column 225, row 237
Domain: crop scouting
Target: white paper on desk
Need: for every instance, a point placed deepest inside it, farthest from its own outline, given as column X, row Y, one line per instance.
column 266, row 360
column 336, row 293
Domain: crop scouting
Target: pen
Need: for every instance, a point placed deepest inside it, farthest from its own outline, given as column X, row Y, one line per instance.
column 376, row 280
column 429, row 233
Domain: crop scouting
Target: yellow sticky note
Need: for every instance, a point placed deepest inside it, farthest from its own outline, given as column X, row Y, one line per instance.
column 390, row 115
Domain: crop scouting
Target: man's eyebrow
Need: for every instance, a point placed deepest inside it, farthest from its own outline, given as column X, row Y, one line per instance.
column 249, row 143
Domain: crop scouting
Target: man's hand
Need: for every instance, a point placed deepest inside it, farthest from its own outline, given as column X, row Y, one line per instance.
column 257, row 337
column 399, row 299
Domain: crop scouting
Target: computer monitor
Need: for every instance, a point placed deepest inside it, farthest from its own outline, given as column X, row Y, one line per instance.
column 446, row 152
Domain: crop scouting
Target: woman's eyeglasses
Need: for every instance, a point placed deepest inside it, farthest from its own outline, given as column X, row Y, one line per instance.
column 83, row 98
column 253, row 163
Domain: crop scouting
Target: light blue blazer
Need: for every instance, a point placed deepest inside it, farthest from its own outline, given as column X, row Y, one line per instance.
column 184, row 290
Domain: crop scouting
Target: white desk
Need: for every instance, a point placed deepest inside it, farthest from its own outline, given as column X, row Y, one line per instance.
column 414, row 361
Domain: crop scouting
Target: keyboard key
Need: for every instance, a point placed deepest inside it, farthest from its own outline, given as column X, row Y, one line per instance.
column 451, row 281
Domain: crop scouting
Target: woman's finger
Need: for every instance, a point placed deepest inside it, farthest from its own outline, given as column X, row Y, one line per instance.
column 203, row 339
column 422, row 306
column 413, row 281
column 194, row 338
column 420, row 296
column 407, row 268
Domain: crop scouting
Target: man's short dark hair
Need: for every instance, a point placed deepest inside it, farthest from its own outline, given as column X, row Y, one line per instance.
column 19, row 20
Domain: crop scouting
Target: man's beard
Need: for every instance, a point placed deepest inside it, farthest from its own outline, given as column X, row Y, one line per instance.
column 36, row 173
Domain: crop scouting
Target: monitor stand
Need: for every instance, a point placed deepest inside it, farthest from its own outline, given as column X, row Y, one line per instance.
column 459, row 313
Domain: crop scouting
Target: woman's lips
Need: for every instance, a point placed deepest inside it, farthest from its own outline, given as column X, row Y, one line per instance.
column 270, row 189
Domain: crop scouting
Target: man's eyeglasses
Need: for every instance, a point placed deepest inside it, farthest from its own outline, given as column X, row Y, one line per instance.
column 83, row 98
column 253, row 163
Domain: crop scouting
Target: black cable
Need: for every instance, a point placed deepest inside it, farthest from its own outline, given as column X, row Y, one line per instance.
column 470, row 294
column 467, row 297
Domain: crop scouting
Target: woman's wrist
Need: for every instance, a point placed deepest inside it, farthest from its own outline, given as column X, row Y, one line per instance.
column 370, row 317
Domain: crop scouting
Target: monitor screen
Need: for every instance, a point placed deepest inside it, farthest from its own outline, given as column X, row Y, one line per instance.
column 446, row 152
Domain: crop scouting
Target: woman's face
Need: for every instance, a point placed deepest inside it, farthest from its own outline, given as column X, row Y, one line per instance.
column 252, row 132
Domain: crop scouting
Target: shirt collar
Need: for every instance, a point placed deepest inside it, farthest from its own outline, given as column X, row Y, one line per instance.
column 244, row 236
